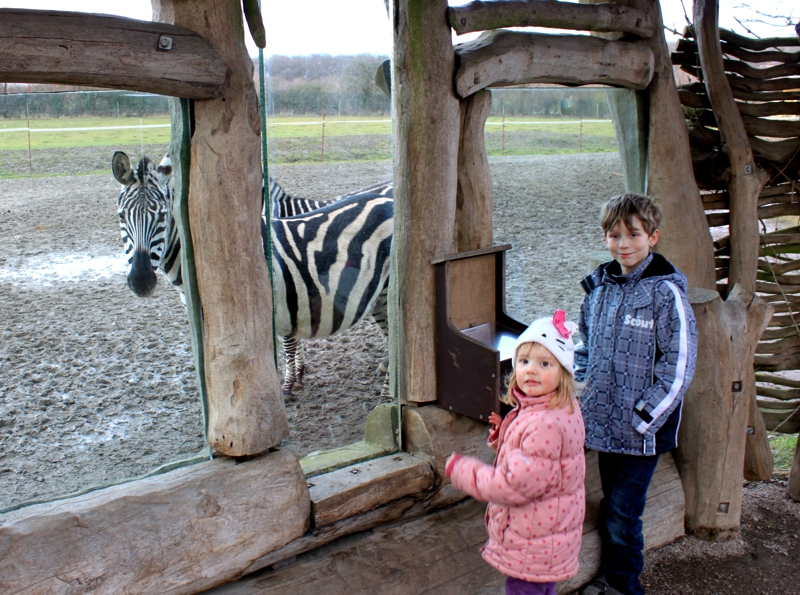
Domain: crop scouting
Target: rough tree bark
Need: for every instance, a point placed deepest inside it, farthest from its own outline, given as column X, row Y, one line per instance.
column 246, row 414
column 475, row 198
column 793, row 487
column 713, row 430
column 685, row 239
column 501, row 57
column 426, row 115
column 747, row 181
column 481, row 16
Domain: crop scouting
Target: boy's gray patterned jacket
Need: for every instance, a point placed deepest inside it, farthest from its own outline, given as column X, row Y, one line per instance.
column 637, row 356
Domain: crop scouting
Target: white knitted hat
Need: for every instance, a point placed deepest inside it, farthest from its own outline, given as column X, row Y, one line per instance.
column 555, row 334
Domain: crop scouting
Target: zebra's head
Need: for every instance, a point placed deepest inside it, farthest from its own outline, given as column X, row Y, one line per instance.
column 144, row 207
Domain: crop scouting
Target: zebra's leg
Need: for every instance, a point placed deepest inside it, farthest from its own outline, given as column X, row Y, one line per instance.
column 380, row 314
column 299, row 364
column 290, row 345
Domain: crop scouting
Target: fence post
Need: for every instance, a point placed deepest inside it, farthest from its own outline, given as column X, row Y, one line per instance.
column 323, row 137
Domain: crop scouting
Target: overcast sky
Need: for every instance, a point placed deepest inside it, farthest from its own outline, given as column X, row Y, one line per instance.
column 298, row 27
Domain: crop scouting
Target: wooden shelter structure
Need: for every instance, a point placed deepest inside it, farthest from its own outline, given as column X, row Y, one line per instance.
column 255, row 506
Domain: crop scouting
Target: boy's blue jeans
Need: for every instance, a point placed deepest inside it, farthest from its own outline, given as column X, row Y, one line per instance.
column 625, row 479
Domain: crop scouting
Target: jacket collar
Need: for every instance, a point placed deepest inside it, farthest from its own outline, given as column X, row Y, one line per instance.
column 654, row 265
column 523, row 400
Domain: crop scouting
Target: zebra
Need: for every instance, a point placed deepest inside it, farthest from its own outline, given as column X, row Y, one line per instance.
column 331, row 261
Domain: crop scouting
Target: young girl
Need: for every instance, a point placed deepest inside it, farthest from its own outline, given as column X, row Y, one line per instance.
column 535, row 488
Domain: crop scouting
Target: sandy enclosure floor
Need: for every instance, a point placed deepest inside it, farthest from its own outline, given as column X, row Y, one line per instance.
column 97, row 385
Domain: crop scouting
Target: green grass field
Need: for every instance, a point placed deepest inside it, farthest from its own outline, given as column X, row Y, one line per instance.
column 74, row 146
column 783, row 447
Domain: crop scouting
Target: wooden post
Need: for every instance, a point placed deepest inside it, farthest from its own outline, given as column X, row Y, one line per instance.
column 747, row 181
column 475, row 198
column 793, row 487
column 246, row 414
column 713, row 430
column 426, row 113
column 685, row 239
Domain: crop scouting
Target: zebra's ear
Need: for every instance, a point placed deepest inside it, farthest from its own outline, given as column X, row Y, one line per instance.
column 121, row 168
column 165, row 170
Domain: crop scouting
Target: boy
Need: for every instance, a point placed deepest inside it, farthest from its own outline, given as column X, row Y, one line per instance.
column 637, row 356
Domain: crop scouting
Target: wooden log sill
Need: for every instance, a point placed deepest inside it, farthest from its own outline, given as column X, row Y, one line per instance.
column 480, row 16
column 499, row 58
column 70, row 48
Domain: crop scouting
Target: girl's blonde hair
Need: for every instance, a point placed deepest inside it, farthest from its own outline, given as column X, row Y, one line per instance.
column 565, row 396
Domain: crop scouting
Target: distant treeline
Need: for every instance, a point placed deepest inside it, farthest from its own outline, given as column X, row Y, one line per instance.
column 297, row 85
column 583, row 102
column 79, row 104
column 325, row 84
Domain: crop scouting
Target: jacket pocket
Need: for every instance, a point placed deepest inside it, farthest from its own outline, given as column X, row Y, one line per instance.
column 496, row 522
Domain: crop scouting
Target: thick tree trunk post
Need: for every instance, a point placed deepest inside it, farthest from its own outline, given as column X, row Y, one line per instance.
column 685, row 239
column 747, row 181
column 629, row 113
column 246, row 414
column 759, row 463
column 713, row 430
column 475, row 198
column 793, row 488
column 426, row 130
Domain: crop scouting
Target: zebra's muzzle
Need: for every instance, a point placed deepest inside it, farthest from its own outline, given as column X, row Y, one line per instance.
column 142, row 278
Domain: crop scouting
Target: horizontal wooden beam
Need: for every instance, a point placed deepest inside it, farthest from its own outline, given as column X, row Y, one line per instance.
column 480, row 16
column 181, row 532
column 70, row 48
column 501, row 58
column 359, row 488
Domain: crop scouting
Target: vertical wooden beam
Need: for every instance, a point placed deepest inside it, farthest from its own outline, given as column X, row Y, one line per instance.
column 793, row 486
column 629, row 112
column 685, row 239
column 669, row 177
column 246, row 414
column 475, row 198
column 426, row 130
column 711, row 445
column 747, row 181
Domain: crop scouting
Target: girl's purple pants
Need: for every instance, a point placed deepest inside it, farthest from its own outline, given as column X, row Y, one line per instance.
column 516, row 586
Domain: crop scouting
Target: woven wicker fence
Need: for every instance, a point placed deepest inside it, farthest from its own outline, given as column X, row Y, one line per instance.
column 764, row 75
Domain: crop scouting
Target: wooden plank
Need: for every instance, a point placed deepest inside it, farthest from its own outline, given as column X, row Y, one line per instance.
column 471, row 291
column 358, row 488
column 480, row 16
column 426, row 130
column 180, row 532
column 439, row 552
column 73, row 48
column 499, row 58
column 475, row 198
column 246, row 415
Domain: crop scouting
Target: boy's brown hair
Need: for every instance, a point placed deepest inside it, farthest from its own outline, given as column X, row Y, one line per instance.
column 627, row 206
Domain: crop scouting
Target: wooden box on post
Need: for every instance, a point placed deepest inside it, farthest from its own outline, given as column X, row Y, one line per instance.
column 474, row 335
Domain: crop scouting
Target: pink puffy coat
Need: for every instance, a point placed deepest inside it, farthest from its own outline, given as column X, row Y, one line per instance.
column 535, row 492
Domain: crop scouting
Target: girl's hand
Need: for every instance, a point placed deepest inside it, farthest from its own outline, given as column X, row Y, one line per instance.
column 450, row 463
column 494, row 431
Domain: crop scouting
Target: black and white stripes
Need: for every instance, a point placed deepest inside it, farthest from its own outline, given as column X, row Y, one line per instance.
column 331, row 263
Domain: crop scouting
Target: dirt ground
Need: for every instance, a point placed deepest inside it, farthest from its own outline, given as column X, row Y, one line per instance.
column 763, row 560
column 98, row 386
